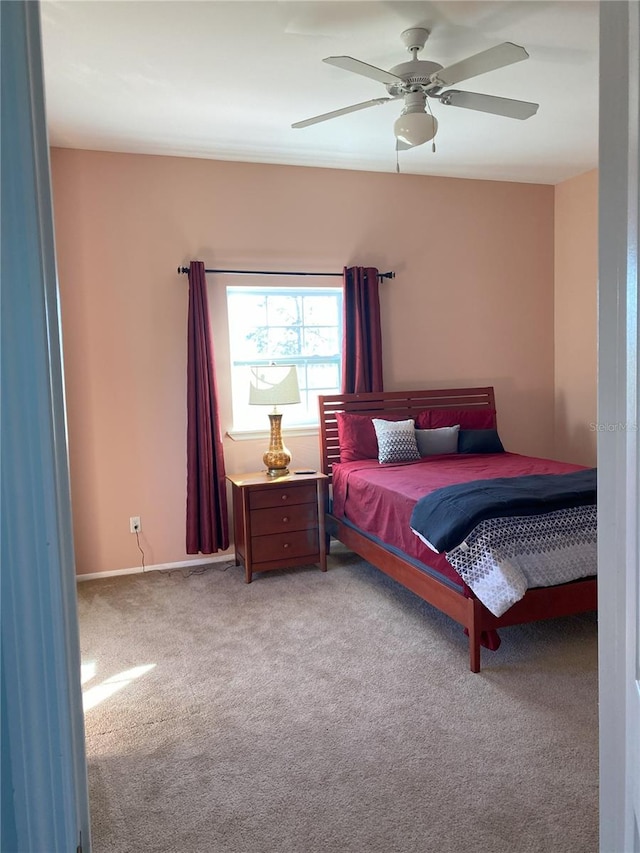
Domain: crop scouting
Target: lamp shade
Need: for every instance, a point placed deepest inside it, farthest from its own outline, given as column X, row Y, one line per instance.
column 415, row 128
column 274, row 385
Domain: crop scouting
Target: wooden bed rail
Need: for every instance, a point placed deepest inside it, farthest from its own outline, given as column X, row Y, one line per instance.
column 395, row 403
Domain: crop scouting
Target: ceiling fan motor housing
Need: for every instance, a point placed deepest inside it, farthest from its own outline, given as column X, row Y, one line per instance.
column 415, row 75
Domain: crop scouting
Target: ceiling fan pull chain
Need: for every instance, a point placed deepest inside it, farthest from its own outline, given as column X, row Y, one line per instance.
column 433, row 142
column 397, row 162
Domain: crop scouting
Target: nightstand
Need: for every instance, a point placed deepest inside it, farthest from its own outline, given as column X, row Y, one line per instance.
column 278, row 522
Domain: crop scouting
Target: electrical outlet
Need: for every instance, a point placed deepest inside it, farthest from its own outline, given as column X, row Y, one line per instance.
column 134, row 524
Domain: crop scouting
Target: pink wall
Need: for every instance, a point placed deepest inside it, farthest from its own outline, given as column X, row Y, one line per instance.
column 472, row 304
column 576, row 288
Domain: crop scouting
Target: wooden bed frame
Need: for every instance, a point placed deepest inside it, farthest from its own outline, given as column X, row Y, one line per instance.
column 540, row 603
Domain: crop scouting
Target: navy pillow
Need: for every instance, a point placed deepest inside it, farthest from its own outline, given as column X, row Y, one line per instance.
column 479, row 441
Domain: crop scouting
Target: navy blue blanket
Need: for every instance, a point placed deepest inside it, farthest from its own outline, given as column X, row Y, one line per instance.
column 447, row 516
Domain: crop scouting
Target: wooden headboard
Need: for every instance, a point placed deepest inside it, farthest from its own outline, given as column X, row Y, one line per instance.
column 397, row 403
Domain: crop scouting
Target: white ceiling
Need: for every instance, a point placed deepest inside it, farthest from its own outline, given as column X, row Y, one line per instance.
column 225, row 80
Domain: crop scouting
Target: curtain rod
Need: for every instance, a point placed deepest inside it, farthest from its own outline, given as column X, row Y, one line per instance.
column 185, row 270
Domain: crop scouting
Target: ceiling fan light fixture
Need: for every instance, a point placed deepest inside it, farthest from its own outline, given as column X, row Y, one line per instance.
column 415, row 128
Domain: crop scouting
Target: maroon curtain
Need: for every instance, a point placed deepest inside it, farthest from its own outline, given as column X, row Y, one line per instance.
column 362, row 339
column 207, row 515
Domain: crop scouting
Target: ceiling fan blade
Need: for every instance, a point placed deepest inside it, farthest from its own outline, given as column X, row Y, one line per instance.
column 403, row 146
column 489, row 104
column 488, row 60
column 335, row 113
column 358, row 67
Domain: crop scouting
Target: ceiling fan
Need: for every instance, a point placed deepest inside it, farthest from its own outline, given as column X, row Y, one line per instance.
column 417, row 80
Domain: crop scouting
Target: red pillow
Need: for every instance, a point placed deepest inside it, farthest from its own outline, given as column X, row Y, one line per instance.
column 467, row 418
column 357, row 436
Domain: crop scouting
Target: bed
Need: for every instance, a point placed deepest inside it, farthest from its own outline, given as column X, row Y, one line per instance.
column 373, row 506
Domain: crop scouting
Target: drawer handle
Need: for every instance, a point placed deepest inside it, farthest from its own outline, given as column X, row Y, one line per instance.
column 284, row 497
column 286, row 545
column 285, row 518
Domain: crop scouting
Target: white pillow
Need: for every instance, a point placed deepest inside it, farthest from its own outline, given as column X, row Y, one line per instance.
column 396, row 440
column 441, row 440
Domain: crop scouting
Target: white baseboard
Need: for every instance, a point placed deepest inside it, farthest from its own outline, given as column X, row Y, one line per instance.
column 161, row 567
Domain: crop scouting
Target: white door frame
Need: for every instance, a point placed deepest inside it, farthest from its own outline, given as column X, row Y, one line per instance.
column 619, row 419
column 44, row 774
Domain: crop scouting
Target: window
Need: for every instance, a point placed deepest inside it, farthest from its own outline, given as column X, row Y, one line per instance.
column 285, row 325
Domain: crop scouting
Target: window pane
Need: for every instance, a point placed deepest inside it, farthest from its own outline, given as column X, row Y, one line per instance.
column 283, row 341
column 321, row 340
column 301, row 326
column 320, row 311
column 253, row 344
column 246, row 310
column 284, row 311
column 321, row 376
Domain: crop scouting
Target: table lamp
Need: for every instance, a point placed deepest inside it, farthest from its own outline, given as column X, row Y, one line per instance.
column 275, row 385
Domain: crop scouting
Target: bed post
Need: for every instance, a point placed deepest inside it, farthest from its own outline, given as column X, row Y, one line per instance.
column 474, row 627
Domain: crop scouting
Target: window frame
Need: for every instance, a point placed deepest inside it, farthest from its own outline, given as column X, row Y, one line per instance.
column 239, row 431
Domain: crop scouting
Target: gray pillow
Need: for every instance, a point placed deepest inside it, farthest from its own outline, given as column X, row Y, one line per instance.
column 396, row 440
column 441, row 440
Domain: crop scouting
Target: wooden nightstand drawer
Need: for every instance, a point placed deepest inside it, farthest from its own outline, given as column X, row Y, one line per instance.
column 282, row 518
column 282, row 496
column 284, row 546
column 279, row 523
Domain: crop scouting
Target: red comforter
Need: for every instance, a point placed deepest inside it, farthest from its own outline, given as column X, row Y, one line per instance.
column 379, row 499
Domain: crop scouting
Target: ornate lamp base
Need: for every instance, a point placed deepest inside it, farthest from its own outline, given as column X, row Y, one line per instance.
column 277, row 457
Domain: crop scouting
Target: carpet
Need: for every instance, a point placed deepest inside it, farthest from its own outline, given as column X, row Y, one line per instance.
column 329, row 713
